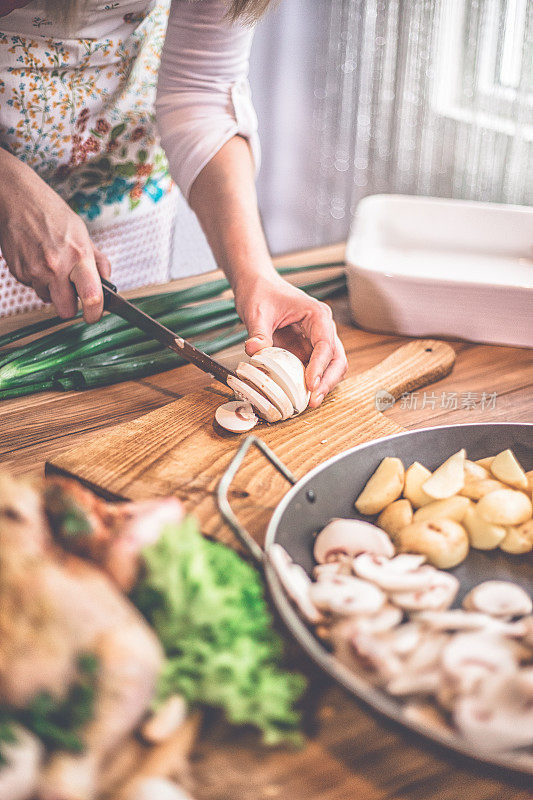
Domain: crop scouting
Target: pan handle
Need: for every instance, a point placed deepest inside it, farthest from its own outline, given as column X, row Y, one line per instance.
column 244, row 537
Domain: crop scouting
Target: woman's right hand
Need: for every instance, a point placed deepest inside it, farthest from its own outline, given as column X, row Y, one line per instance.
column 46, row 245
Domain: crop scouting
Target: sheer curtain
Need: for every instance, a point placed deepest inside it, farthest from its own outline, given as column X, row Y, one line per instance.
column 431, row 97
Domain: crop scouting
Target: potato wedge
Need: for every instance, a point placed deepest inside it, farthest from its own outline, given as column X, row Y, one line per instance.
column 395, row 517
column 385, row 486
column 529, row 476
column 448, row 479
column 505, row 507
column 506, row 468
column 451, row 508
column 475, row 471
column 444, row 542
column 415, row 476
column 485, row 462
column 483, row 535
column 477, row 488
column 518, row 538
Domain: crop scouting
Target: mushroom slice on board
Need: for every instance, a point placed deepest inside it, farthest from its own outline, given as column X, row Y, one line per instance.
column 349, row 537
column 345, row 595
column 295, row 581
column 403, row 573
column 287, row 371
column 265, row 385
column 236, row 416
column 263, row 406
column 437, row 596
column 499, row 599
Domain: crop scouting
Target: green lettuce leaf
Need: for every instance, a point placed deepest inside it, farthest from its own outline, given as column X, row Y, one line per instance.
column 208, row 608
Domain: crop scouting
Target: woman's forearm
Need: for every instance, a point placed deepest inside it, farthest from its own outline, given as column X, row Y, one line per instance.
column 224, row 199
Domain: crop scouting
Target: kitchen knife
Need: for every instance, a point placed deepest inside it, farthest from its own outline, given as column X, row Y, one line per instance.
column 119, row 305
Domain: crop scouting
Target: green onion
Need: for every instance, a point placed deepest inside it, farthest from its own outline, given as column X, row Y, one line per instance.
column 83, row 355
column 134, row 368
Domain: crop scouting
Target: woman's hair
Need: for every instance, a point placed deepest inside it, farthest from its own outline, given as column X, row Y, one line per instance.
column 68, row 11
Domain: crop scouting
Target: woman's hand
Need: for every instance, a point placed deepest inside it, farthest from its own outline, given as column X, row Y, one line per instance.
column 46, row 245
column 275, row 312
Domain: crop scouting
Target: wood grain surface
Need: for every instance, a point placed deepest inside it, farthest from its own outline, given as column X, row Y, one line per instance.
column 178, row 450
column 351, row 754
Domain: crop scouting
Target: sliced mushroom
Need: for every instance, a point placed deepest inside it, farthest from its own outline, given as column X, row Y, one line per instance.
column 265, row 385
column 346, row 596
column 406, row 638
column 264, row 407
column 376, row 653
column 236, row 416
column 414, row 683
column 400, row 574
column 349, row 537
column 295, row 581
column 387, row 618
column 459, row 620
column 287, row 371
column 342, row 566
column 427, row 656
column 499, row 599
column 437, row 596
column 469, row 659
column 495, row 724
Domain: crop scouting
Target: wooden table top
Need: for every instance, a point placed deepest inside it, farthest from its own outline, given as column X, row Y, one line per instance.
column 350, row 752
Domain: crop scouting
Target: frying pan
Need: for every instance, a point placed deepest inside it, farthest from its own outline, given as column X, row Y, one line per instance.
column 329, row 491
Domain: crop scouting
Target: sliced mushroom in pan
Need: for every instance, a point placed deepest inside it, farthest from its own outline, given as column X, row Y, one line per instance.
column 349, row 537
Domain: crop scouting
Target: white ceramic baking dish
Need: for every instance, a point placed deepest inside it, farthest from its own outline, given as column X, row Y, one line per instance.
column 425, row 266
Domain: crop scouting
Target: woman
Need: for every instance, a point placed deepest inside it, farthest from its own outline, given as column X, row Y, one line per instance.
column 83, row 175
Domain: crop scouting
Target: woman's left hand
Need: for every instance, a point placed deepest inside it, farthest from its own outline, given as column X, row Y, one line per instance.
column 275, row 312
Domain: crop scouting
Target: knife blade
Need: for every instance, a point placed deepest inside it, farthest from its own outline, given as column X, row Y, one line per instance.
column 117, row 304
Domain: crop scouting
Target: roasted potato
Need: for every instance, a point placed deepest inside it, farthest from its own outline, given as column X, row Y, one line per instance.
column 385, row 486
column 448, row 479
column 395, row 517
column 444, row 542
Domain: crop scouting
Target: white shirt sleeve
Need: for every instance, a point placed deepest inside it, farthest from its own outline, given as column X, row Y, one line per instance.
column 203, row 94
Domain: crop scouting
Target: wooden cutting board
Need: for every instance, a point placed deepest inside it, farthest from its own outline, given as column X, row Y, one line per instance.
column 176, row 450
